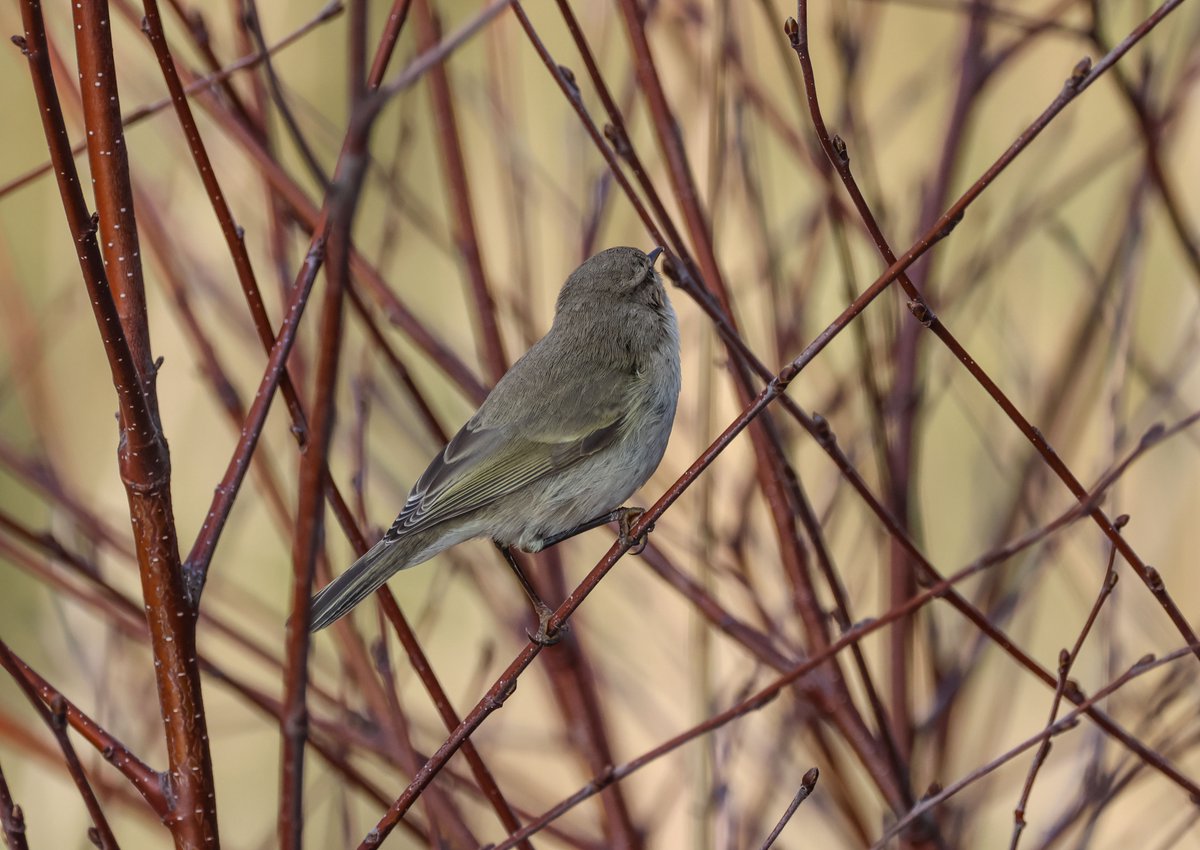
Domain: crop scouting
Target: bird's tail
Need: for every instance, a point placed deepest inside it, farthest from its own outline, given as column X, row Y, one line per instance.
column 364, row 576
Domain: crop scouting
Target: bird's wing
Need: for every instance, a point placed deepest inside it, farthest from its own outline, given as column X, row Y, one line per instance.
column 486, row 461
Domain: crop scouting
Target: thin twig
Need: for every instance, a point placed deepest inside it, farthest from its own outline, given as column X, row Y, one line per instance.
column 12, row 819
column 806, row 787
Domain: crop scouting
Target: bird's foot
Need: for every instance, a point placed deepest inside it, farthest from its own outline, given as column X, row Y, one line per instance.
column 629, row 516
column 543, row 636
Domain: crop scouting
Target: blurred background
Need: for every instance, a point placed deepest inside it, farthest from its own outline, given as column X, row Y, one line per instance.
column 1073, row 282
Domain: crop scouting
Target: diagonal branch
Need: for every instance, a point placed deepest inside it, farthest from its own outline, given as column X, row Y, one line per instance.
column 1083, row 76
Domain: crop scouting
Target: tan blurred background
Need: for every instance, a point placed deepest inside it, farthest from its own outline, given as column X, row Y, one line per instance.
column 1014, row 298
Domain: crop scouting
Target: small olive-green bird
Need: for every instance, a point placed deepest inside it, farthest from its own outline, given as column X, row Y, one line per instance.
column 570, row 432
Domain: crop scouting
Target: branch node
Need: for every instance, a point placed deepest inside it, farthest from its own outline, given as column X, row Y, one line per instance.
column 619, row 140
column 792, row 29
column 22, row 45
column 839, row 148
column 950, row 224
column 764, row 700
column 193, row 583
column 497, row 701
column 923, row 313
column 1153, row 434
column 1082, row 68
column 92, row 227
column 1154, row 581
column 568, row 77
column 824, row 434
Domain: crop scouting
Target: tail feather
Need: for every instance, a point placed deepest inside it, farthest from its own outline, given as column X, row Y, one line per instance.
column 364, row 577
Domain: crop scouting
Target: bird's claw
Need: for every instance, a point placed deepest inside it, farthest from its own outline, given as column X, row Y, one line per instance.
column 543, row 637
column 630, row 516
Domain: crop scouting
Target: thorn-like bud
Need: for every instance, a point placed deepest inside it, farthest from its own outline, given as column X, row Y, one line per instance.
column 22, row 45
column 1082, row 68
column 792, row 29
column 1153, row 434
column 824, row 433
column 951, row 223
column 839, row 148
column 1154, row 581
column 569, row 78
column 617, row 138
column 921, row 311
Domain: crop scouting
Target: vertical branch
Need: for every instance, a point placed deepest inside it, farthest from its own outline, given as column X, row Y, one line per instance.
column 109, row 161
column 455, row 166
column 143, row 458
column 341, row 204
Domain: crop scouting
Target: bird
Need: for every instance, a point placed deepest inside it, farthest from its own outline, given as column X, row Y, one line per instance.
column 570, row 431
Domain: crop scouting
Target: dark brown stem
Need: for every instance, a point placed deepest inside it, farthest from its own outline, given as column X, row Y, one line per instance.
column 54, row 715
column 341, row 205
column 145, row 780
column 143, row 457
column 1144, row 665
column 12, row 819
column 1065, row 661
column 806, row 788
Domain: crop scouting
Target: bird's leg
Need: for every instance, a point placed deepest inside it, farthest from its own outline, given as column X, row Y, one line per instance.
column 625, row 517
column 544, row 612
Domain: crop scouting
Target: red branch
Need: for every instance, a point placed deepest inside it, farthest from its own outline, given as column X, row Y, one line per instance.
column 54, row 715
column 455, row 166
column 143, row 458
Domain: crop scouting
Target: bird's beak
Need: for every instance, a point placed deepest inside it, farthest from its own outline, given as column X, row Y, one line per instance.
column 653, row 255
